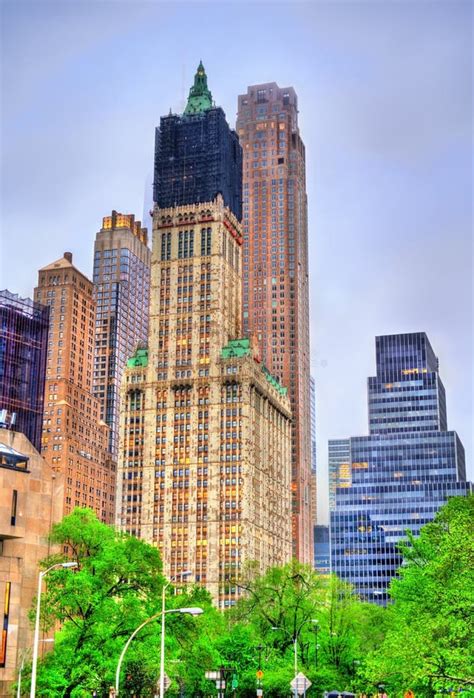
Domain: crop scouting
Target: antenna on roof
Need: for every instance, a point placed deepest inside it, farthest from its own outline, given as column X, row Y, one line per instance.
column 183, row 87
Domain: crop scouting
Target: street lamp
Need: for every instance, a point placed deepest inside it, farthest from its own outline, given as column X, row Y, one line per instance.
column 191, row 611
column 163, row 614
column 316, row 646
column 294, row 639
column 65, row 565
column 18, row 688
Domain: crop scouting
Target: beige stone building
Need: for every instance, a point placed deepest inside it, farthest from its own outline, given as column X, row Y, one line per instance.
column 204, row 465
column 31, row 501
column 75, row 439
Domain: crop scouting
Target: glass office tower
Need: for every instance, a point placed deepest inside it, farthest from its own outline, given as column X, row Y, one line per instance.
column 122, row 261
column 339, row 466
column 321, row 549
column 23, row 346
column 402, row 473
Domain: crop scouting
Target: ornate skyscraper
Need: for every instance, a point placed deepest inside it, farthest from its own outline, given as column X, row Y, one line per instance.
column 204, row 458
column 122, row 294
column 275, row 268
column 398, row 477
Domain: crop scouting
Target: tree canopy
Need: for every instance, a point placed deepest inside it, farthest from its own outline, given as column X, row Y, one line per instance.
column 423, row 641
column 429, row 644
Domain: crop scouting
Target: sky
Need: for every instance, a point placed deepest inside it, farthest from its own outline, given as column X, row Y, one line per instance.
column 385, row 111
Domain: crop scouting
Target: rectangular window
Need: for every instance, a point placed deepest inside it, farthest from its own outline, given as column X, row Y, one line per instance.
column 205, row 241
column 6, row 613
column 14, row 505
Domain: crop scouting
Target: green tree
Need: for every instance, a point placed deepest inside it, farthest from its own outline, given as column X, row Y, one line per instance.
column 429, row 646
column 282, row 605
column 117, row 585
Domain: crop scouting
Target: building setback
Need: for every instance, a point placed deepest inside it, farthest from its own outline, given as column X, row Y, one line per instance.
column 75, row 439
column 23, row 346
column 121, row 292
column 399, row 475
column 204, row 459
column 275, row 269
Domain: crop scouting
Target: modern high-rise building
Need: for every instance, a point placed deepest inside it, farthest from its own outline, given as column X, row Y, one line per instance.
column 275, row 269
column 75, row 439
column 205, row 445
column 402, row 473
column 121, row 291
column 23, row 346
column 321, row 549
column 339, row 467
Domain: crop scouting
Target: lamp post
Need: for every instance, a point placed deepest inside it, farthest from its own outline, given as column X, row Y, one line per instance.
column 191, row 611
column 163, row 614
column 18, row 688
column 65, row 565
column 294, row 639
column 316, row 646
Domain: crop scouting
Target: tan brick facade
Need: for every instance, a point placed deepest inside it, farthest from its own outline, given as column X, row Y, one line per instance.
column 74, row 437
column 31, row 500
column 205, row 451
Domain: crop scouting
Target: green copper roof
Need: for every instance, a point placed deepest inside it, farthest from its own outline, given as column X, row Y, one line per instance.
column 139, row 359
column 236, row 347
column 274, row 381
column 200, row 97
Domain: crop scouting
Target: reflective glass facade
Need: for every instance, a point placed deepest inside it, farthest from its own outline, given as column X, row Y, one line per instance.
column 401, row 474
column 339, row 460
column 407, row 393
column 321, row 549
column 122, row 261
column 23, row 346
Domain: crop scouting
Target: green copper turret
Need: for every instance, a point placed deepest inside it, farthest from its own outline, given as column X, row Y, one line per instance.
column 200, row 97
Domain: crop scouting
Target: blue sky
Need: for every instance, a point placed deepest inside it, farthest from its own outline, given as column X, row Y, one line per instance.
column 385, row 99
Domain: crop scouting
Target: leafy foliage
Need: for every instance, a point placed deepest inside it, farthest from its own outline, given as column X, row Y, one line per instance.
column 429, row 645
column 116, row 586
column 423, row 641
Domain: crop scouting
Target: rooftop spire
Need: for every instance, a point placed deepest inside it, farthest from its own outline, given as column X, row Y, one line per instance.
column 200, row 97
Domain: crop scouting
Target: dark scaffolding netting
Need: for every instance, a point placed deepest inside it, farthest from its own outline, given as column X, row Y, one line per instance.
column 197, row 157
column 23, row 347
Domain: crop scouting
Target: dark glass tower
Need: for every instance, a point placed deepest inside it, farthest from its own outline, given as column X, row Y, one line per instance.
column 407, row 393
column 23, row 346
column 399, row 475
column 197, row 155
